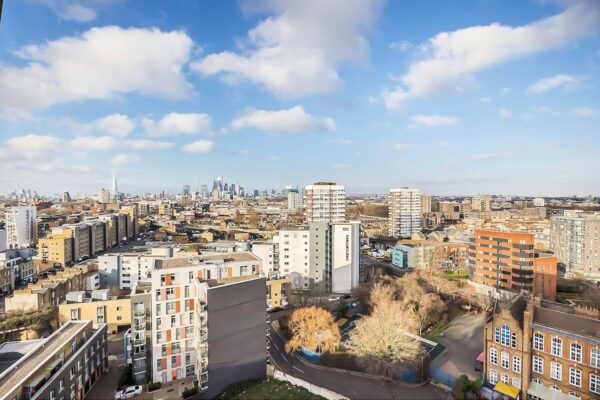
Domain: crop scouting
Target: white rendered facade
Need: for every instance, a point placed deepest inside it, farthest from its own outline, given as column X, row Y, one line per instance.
column 322, row 257
column 325, row 202
column 20, row 227
column 404, row 212
column 539, row 202
column 268, row 252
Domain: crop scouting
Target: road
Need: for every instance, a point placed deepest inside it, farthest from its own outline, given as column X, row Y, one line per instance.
column 346, row 384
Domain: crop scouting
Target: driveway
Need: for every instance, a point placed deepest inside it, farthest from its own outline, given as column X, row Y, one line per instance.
column 106, row 386
column 463, row 340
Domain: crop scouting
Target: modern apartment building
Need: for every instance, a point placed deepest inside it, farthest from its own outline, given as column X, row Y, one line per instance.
column 325, row 202
column 575, row 239
column 20, row 227
column 538, row 349
column 404, row 212
column 99, row 307
column 322, row 257
column 502, row 264
column 415, row 254
column 65, row 365
column 55, row 250
column 481, row 203
column 138, row 339
column 207, row 323
column 425, row 203
column 268, row 252
column 20, row 260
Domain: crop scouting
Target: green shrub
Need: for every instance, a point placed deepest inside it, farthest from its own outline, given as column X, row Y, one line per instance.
column 188, row 392
column 153, row 386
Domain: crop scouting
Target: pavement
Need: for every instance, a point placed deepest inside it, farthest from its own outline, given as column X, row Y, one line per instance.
column 463, row 339
column 106, row 387
column 344, row 382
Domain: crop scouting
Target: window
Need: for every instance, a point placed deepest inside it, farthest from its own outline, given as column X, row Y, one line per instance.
column 595, row 383
column 61, row 385
column 497, row 335
column 504, row 360
column 575, row 395
column 538, row 365
column 595, row 358
column 513, row 340
column 517, row 364
column 52, row 395
column 504, row 378
column 556, row 347
column 516, row 382
column 505, row 335
column 575, row 377
column 158, row 364
column 493, row 377
column 554, row 387
column 538, row 341
column 555, row 370
column 493, row 356
column 575, row 352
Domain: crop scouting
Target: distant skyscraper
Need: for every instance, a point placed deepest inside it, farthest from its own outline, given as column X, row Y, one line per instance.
column 404, row 212
column 66, row 197
column 186, row 190
column 204, row 190
column 115, row 190
column 325, row 202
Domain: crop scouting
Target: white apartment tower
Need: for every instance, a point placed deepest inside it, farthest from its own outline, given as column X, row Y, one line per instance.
column 294, row 201
column 322, row 257
column 404, row 212
column 20, row 227
column 325, row 202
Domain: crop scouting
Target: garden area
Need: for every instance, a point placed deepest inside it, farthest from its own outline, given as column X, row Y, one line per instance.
column 387, row 339
column 271, row 389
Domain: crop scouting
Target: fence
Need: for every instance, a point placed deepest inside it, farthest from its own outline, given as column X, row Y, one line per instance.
column 328, row 394
column 442, row 377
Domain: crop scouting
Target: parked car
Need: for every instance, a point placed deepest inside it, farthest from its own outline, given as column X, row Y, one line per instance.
column 128, row 392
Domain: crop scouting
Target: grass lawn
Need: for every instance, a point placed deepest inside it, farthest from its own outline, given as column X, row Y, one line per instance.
column 267, row 389
column 456, row 275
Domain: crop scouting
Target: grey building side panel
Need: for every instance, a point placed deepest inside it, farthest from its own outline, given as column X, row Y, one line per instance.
column 236, row 334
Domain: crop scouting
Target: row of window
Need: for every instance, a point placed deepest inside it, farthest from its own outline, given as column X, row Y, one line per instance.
column 505, row 360
column 575, row 349
column 574, row 374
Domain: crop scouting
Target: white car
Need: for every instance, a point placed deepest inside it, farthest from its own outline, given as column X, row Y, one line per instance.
column 128, row 392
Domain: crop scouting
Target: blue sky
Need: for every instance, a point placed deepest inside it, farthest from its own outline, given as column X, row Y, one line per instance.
column 456, row 97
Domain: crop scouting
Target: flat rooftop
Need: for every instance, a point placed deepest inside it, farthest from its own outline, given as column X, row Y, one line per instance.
column 33, row 360
column 10, row 352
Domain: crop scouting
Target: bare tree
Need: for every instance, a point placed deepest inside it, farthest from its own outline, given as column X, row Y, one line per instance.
column 381, row 341
column 314, row 329
column 430, row 310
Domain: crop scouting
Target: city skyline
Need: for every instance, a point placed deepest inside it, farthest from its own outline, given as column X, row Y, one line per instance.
column 483, row 100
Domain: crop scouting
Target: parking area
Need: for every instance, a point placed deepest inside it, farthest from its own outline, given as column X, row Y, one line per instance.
column 463, row 340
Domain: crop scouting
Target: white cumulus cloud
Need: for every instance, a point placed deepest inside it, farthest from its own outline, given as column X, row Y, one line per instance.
column 124, row 158
column 115, row 124
column 434, row 120
column 296, row 50
column 147, row 145
column 178, row 124
column 102, row 63
column 452, row 58
column 582, row 112
column 200, row 146
column 292, row 120
column 551, row 82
